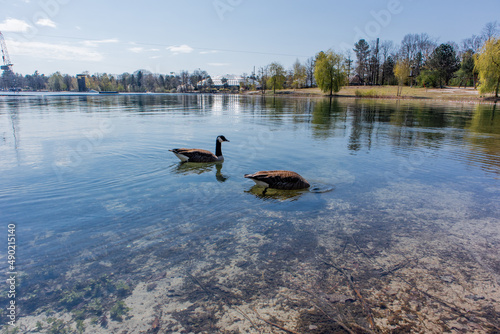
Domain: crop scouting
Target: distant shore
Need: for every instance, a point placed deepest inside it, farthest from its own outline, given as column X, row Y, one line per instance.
column 455, row 94
column 469, row 94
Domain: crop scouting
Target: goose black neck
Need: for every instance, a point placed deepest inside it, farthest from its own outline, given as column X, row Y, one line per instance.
column 218, row 149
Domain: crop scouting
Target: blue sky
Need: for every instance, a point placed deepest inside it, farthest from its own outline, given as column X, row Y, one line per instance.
column 219, row 36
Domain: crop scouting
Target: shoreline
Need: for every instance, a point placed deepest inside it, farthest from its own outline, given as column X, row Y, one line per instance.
column 447, row 94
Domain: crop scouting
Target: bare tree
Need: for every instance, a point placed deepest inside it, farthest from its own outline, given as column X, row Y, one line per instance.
column 310, row 72
column 263, row 76
column 416, row 48
column 473, row 43
column 412, row 44
column 298, row 75
column 184, row 76
column 374, row 61
column 491, row 29
column 426, row 46
column 348, row 64
column 386, row 50
column 408, row 48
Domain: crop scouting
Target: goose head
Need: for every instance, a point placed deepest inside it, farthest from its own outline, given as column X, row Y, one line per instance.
column 221, row 139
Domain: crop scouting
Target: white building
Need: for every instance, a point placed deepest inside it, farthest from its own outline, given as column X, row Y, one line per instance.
column 232, row 81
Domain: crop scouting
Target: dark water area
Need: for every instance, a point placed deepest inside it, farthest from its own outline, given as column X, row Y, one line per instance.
column 101, row 208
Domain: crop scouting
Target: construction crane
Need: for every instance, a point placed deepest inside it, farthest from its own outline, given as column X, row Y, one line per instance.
column 5, row 55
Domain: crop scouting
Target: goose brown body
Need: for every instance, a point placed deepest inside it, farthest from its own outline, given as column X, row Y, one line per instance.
column 199, row 155
column 194, row 155
column 279, row 179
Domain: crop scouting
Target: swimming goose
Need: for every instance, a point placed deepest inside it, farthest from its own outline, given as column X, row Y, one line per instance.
column 197, row 155
column 279, row 179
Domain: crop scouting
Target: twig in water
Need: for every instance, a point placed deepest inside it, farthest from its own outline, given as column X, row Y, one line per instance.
column 338, row 321
column 364, row 253
column 394, row 269
column 275, row 325
column 455, row 309
column 365, row 305
column 224, row 299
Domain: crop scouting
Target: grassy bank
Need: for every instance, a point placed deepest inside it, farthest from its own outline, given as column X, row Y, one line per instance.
column 390, row 92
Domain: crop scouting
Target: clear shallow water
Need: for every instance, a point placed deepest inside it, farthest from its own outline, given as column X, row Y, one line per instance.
column 93, row 190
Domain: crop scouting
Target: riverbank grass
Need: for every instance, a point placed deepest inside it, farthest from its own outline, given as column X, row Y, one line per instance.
column 468, row 94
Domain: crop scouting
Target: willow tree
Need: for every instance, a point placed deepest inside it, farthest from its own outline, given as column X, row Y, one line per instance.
column 276, row 76
column 487, row 63
column 401, row 72
column 329, row 72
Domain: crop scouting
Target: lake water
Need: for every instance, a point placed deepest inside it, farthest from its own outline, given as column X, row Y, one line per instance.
column 401, row 232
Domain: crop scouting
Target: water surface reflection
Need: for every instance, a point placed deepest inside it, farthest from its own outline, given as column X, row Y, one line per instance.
column 186, row 168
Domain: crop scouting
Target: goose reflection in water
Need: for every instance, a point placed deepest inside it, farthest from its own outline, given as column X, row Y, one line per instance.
column 289, row 195
column 276, row 194
column 186, row 168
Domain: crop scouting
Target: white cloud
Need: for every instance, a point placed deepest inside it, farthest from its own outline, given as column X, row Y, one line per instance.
column 218, row 64
column 136, row 49
column 53, row 51
column 176, row 49
column 46, row 23
column 14, row 25
column 208, row 52
column 95, row 43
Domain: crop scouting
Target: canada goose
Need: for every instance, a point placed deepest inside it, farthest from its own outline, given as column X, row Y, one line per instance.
column 279, row 179
column 197, row 155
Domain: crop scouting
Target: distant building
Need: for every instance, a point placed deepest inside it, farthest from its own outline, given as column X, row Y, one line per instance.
column 82, row 83
column 228, row 81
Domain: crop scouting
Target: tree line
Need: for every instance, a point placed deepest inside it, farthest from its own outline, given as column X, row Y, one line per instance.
column 417, row 60
column 139, row 81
